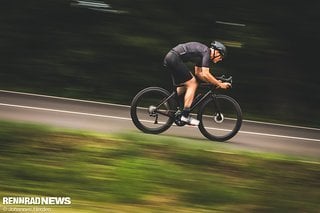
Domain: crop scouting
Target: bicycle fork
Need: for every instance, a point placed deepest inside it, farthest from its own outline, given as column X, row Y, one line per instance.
column 217, row 116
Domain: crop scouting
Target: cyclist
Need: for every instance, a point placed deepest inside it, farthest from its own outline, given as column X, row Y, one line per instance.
column 200, row 55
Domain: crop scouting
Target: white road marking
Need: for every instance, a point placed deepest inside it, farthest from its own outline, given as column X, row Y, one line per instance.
column 230, row 23
column 129, row 119
column 280, row 136
column 283, row 125
column 64, row 111
column 126, row 106
column 63, row 98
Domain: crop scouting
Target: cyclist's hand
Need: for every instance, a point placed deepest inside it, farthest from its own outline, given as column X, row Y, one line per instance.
column 224, row 85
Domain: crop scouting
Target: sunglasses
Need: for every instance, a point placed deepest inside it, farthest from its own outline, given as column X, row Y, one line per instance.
column 216, row 56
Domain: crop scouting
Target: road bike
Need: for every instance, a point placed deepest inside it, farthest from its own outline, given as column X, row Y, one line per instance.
column 154, row 110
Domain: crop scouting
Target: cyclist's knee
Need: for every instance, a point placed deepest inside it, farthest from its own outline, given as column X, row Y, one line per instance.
column 192, row 83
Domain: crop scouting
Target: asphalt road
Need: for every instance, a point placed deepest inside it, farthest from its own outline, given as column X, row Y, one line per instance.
column 110, row 118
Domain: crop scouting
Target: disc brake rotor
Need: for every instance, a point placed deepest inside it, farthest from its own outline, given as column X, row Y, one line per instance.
column 218, row 118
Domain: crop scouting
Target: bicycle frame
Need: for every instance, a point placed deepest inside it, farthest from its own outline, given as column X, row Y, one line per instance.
column 195, row 103
column 212, row 110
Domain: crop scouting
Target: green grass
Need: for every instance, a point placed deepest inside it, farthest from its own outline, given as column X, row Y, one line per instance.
column 133, row 172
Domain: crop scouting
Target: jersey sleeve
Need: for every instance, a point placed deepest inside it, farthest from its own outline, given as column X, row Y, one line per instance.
column 206, row 58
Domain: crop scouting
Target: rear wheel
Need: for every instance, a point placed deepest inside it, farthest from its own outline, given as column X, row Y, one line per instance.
column 220, row 118
column 150, row 112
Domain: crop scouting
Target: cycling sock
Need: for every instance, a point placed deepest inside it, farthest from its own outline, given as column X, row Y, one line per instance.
column 181, row 100
column 185, row 112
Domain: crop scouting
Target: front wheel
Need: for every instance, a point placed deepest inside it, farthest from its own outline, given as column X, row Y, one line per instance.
column 151, row 110
column 220, row 118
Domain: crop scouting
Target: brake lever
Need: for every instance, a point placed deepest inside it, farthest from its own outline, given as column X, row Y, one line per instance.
column 225, row 80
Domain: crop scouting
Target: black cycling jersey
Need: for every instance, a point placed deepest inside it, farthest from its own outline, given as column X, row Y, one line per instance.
column 194, row 52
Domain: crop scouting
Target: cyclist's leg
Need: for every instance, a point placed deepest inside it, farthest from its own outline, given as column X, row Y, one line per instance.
column 183, row 76
column 180, row 96
column 181, row 90
column 191, row 87
column 179, row 73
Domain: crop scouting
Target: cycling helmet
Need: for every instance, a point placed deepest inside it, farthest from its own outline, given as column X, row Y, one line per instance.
column 216, row 45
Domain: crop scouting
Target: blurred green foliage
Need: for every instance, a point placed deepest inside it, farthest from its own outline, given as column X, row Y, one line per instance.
column 50, row 47
column 145, row 173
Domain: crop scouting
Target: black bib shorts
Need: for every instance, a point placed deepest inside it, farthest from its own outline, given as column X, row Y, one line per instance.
column 177, row 67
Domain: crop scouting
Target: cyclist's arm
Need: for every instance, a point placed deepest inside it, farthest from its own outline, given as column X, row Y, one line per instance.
column 203, row 73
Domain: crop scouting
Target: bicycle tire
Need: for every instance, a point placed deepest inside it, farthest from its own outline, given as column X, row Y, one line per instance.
column 140, row 114
column 230, row 118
